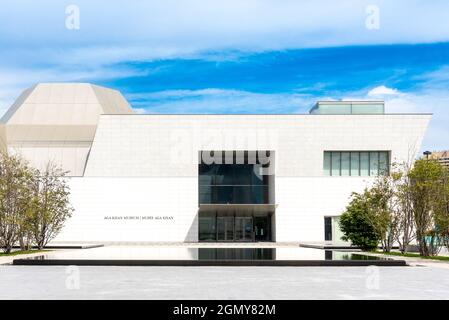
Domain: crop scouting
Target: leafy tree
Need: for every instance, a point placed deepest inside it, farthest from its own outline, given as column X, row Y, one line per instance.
column 427, row 195
column 380, row 204
column 25, row 235
column 33, row 205
column 440, row 209
column 357, row 225
column 410, row 203
column 402, row 205
column 50, row 205
column 373, row 209
column 15, row 198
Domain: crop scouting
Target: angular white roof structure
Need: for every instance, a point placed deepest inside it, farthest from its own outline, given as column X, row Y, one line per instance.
column 57, row 121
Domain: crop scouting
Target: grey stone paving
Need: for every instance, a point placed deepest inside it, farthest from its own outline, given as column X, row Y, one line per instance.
column 58, row 282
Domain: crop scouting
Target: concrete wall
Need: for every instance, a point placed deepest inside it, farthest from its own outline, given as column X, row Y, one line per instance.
column 304, row 202
column 147, row 166
column 123, row 199
column 302, row 205
column 168, row 145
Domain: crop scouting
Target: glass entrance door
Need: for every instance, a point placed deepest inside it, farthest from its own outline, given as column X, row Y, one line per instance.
column 225, row 228
column 233, row 225
column 262, row 228
column 243, row 228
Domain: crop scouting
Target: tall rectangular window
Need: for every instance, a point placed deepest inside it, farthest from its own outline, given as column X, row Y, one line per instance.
column 373, row 163
column 345, row 164
column 327, row 228
column 336, row 163
column 364, row 163
column 384, row 163
column 206, row 226
column 355, row 163
column 327, row 164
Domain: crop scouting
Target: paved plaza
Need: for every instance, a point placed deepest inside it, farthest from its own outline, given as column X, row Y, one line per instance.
column 59, row 282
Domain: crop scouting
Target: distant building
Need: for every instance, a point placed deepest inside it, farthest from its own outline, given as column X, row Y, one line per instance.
column 441, row 156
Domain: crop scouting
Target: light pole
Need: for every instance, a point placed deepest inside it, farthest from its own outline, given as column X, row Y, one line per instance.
column 427, row 154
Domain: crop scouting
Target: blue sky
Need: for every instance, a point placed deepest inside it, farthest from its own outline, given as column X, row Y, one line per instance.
column 232, row 56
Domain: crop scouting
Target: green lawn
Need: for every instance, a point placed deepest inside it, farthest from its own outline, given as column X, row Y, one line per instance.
column 414, row 255
column 15, row 253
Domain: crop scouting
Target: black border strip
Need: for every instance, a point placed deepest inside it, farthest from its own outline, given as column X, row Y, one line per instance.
column 284, row 309
column 209, row 263
column 75, row 246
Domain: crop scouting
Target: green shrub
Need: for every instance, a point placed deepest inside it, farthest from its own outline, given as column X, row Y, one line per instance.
column 356, row 226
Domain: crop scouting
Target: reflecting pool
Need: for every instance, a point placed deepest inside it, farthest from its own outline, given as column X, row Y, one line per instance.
column 195, row 253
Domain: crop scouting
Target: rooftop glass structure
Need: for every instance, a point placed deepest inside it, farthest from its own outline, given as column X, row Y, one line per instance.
column 348, row 107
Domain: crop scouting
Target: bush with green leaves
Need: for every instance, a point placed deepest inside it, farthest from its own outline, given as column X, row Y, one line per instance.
column 356, row 224
column 34, row 204
column 412, row 203
column 429, row 191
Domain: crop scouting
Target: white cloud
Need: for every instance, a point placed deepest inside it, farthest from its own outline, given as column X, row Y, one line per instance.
column 427, row 99
column 113, row 31
column 213, row 100
column 435, row 79
column 432, row 101
column 382, row 91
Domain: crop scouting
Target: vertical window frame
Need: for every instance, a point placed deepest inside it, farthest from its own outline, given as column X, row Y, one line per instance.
column 370, row 155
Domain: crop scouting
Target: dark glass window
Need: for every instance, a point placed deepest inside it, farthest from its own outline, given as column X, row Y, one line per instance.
column 243, row 194
column 207, row 227
column 224, row 174
column 207, row 174
column 223, row 194
column 327, row 228
column 256, row 178
column 237, row 183
column 242, row 174
column 226, row 225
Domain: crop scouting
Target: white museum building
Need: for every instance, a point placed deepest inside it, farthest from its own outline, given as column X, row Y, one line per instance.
column 205, row 177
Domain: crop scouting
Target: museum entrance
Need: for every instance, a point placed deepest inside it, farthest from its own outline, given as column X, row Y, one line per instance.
column 225, row 228
column 262, row 228
column 236, row 195
column 234, row 226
